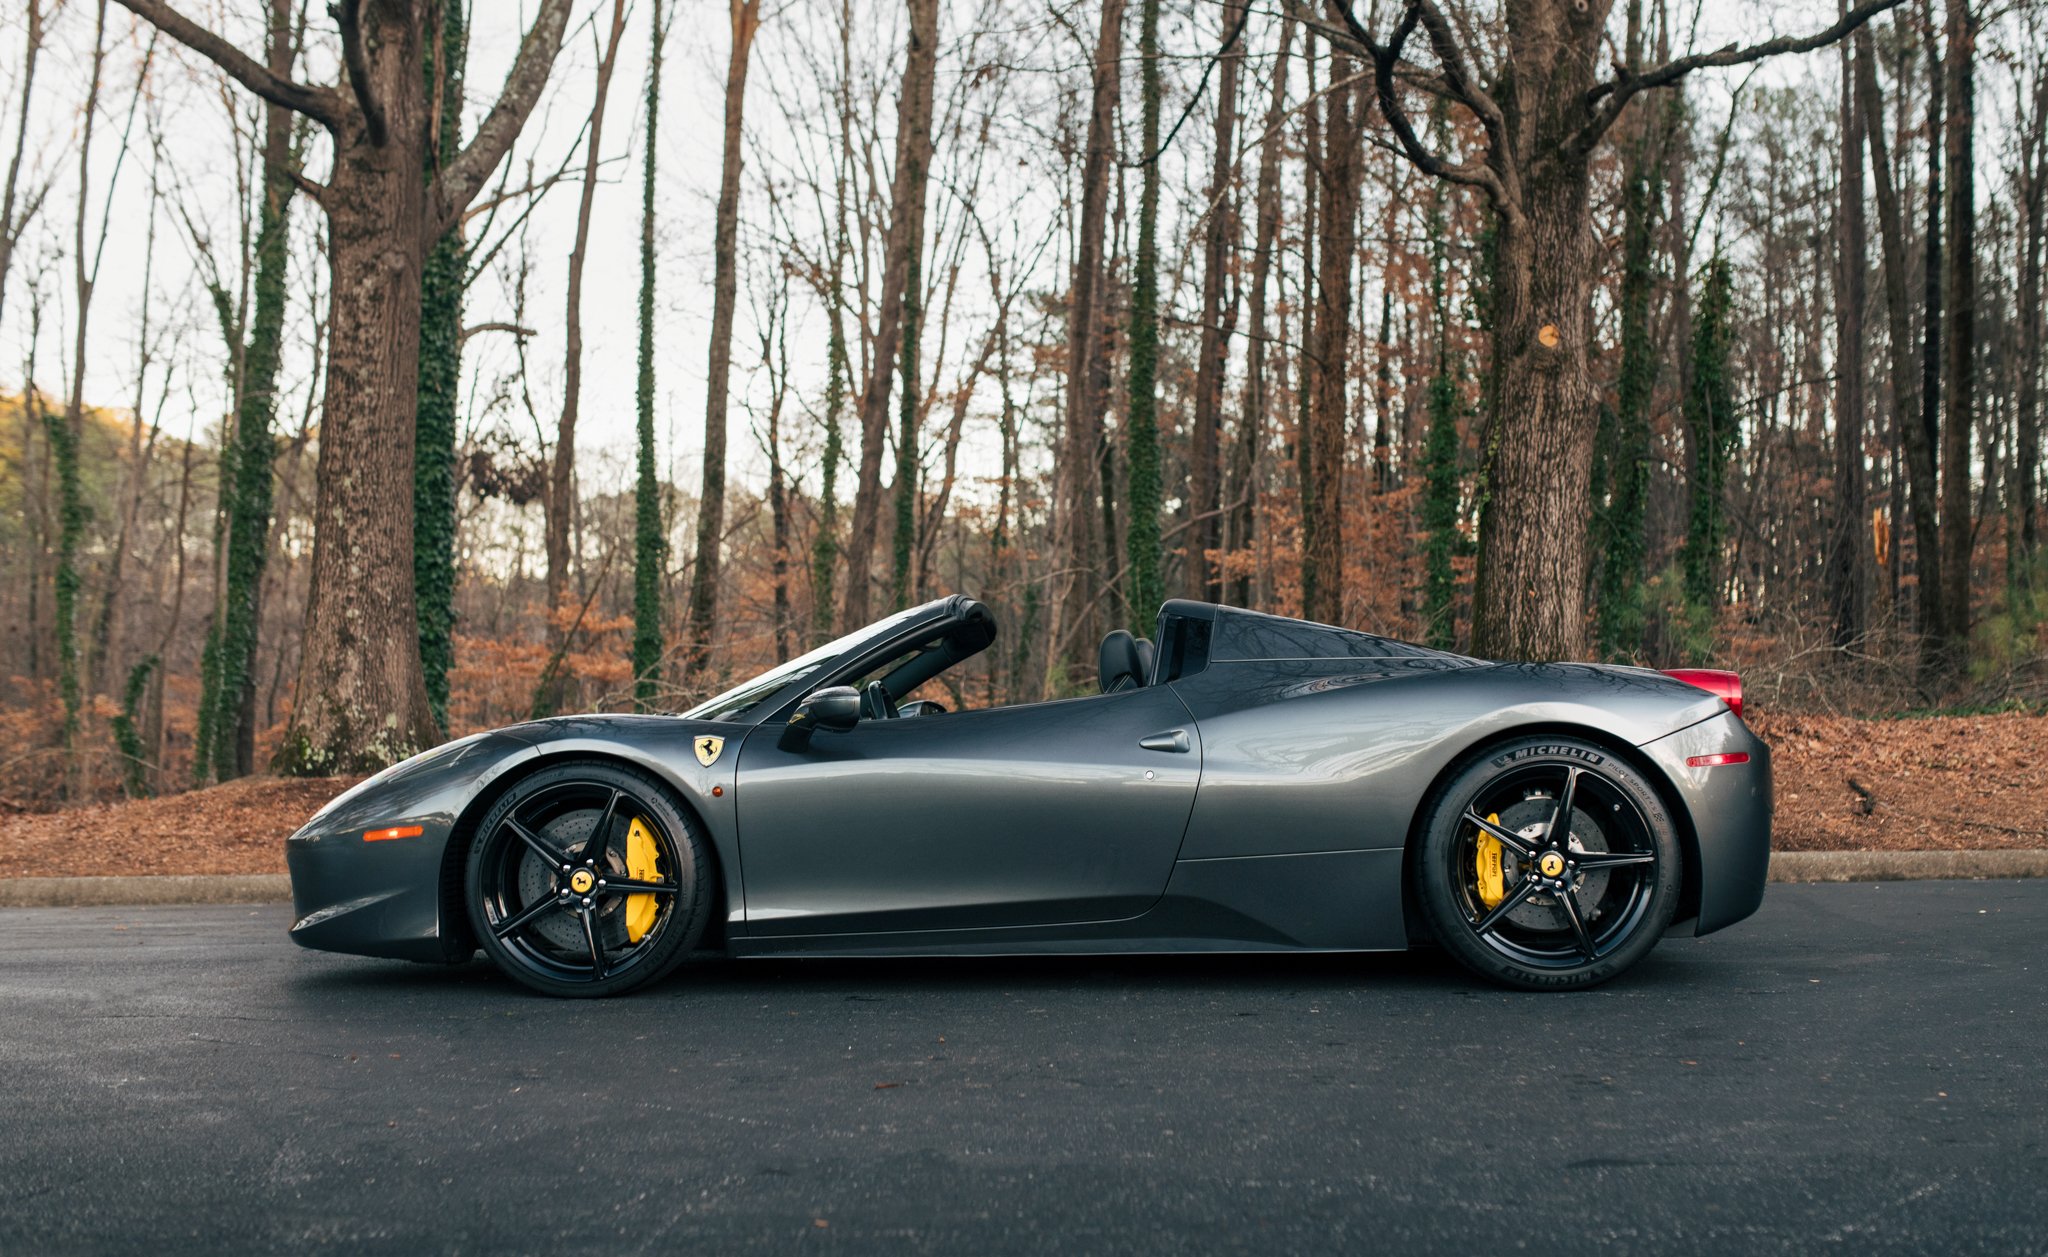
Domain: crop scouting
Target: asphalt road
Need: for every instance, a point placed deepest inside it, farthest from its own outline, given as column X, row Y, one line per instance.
column 1857, row 1069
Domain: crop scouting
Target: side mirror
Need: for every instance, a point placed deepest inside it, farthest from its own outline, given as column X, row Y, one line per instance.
column 835, row 707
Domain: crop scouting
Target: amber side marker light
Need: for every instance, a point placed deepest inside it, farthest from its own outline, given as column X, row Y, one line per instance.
column 396, row 831
column 1715, row 761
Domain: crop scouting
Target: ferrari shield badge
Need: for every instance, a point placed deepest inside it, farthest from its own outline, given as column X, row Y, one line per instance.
column 708, row 749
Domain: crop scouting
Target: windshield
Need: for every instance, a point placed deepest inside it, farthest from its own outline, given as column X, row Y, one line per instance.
column 736, row 702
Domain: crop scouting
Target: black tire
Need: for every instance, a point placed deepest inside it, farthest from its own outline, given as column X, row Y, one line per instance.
column 1561, row 916
column 551, row 908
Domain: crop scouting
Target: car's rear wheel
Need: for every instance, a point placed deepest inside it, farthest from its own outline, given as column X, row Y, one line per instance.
column 587, row 880
column 1548, row 863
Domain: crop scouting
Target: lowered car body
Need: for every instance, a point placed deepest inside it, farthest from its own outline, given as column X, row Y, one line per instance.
column 1252, row 783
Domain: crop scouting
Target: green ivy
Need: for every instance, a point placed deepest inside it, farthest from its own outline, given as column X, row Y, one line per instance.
column 440, row 376
column 1710, row 413
column 134, row 756
column 1147, row 584
column 825, row 548
column 650, row 549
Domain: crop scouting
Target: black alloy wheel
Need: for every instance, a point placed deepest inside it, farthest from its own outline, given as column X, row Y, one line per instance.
column 586, row 880
column 1548, row 863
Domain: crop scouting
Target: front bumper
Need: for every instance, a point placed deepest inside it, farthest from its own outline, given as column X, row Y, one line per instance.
column 1730, row 806
column 392, row 898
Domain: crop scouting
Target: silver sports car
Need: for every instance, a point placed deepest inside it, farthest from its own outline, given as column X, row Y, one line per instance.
column 1249, row 783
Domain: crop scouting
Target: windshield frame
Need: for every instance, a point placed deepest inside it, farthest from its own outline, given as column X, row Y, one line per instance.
column 770, row 690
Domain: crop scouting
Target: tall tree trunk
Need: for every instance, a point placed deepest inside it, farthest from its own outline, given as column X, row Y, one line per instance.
column 909, row 402
column 1322, row 515
column 2026, row 487
column 233, row 753
column 561, row 501
column 704, row 575
column 441, row 289
column 1934, row 625
column 1074, row 580
column 1623, row 545
column 1846, row 582
column 1710, row 413
column 905, row 244
column 1219, row 320
column 1313, row 155
column 1919, row 447
column 1958, row 527
column 1251, row 426
column 650, row 537
column 14, row 216
column 67, row 435
column 1146, row 588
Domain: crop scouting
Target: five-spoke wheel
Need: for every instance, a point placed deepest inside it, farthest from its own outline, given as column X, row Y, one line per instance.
column 585, row 879
column 1548, row 862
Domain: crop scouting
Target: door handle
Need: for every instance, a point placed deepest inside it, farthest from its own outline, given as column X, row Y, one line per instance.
column 1173, row 740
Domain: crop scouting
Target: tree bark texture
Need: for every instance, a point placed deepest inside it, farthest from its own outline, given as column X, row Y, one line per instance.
column 1846, row 572
column 1958, row 525
column 1219, row 321
column 704, row 576
column 906, row 236
column 1078, row 488
column 1322, row 513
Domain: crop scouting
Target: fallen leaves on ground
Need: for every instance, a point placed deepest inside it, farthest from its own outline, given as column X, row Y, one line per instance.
column 1934, row 783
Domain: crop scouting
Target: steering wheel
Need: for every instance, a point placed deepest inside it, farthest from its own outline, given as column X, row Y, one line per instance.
column 922, row 707
column 875, row 703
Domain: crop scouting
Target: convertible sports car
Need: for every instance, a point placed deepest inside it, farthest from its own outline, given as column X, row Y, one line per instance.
column 1253, row 783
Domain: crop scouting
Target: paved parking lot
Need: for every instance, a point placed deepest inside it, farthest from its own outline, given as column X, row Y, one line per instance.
column 1858, row 1069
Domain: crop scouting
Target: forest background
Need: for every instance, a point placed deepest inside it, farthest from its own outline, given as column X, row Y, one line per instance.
column 376, row 373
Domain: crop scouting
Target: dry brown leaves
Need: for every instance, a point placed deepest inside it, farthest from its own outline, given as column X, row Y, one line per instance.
column 239, row 827
column 1936, row 783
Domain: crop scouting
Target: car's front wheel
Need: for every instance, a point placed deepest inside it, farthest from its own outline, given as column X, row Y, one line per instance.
column 1548, row 863
column 586, row 880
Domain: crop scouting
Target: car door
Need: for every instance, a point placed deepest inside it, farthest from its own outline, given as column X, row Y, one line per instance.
column 1040, row 814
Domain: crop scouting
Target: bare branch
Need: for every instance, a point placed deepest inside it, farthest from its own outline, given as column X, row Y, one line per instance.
column 464, row 177
column 1386, row 59
column 1608, row 99
column 348, row 15
column 514, row 329
column 317, row 103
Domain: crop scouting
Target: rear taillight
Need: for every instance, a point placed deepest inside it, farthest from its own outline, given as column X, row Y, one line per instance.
column 1725, row 686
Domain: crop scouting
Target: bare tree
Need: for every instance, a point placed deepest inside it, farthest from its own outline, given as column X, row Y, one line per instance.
column 561, row 498
column 746, row 19
column 905, row 244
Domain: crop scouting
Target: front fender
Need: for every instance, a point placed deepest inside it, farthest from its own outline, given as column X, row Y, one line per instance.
column 382, row 897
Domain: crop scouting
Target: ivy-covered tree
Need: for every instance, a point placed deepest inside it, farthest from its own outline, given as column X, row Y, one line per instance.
column 1146, row 586
column 433, row 468
column 1710, row 414
column 906, row 435
column 650, row 548
column 1621, row 522
column 825, row 546
column 1440, row 455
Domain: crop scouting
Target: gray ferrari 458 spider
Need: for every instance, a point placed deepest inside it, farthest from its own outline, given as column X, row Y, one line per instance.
column 1253, row 783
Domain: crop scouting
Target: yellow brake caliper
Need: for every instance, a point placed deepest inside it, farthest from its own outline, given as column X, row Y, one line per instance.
column 643, row 864
column 1493, row 882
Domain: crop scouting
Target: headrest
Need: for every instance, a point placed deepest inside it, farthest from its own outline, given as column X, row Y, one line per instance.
column 1145, row 657
column 1121, row 666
